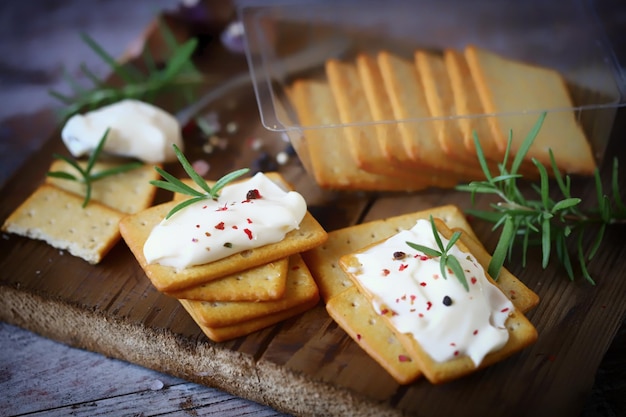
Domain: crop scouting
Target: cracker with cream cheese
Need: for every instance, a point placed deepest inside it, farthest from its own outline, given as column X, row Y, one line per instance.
column 262, row 283
column 418, row 306
column 136, row 228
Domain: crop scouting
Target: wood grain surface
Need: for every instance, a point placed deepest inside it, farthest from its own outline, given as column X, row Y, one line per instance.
column 307, row 365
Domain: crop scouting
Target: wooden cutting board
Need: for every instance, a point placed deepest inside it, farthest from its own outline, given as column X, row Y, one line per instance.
column 308, row 365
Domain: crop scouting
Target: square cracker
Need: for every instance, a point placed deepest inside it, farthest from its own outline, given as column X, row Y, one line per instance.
column 364, row 145
column 328, row 149
column 301, row 289
column 521, row 332
column 467, row 103
column 262, row 283
column 128, row 192
column 323, row 260
column 356, row 316
column 222, row 334
column 136, row 228
column 408, row 101
column 57, row 217
column 535, row 90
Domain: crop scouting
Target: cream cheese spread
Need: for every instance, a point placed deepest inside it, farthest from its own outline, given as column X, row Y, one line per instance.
column 247, row 215
column 137, row 130
column 443, row 317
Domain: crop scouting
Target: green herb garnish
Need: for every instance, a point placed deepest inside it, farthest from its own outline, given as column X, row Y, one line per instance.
column 86, row 176
column 175, row 185
column 177, row 75
column 446, row 260
column 546, row 221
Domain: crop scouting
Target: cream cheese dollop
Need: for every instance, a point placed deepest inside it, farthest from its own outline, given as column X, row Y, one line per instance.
column 137, row 130
column 248, row 214
column 443, row 317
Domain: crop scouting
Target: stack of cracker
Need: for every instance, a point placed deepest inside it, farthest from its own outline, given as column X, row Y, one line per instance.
column 239, row 294
column 399, row 353
column 54, row 213
column 383, row 122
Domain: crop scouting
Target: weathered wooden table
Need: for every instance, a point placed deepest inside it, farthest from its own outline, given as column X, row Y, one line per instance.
column 112, row 310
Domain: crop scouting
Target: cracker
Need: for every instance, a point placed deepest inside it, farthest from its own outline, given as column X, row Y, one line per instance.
column 323, row 260
column 57, row 217
column 353, row 109
column 467, row 103
column 406, row 94
column 328, row 148
column 440, row 100
column 392, row 145
column 128, row 192
column 222, row 334
column 521, row 333
column 355, row 314
column 534, row 90
column 301, row 289
column 438, row 94
column 136, row 228
column 263, row 283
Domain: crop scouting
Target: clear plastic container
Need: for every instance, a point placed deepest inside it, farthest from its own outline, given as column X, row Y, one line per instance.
column 290, row 40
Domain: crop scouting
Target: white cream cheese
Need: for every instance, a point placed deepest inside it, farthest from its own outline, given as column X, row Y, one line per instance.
column 137, row 130
column 410, row 290
column 247, row 215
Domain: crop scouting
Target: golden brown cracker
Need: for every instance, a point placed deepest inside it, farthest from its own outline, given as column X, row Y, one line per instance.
column 263, row 283
column 392, row 145
column 222, row 334
column 354, row 313
column 128, row 192
column 406, row 94
column 301, row 289
column 518, row 105
column 438, row 94
column 136, row 228
column 57, row 217
column 467, row 103
column 328, row 148
column 365, row 148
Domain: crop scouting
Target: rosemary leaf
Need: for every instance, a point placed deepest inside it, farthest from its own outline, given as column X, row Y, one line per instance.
column 175, row 185
column 119, row 69
column 500, row 253
column 456, row 268
column 615, row 187
column 425, row 250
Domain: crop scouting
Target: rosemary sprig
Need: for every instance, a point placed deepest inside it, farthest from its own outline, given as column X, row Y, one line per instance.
column 178, row 75
column 85, row 175
column 546, row 221
column 446, row 260
column 175, row 185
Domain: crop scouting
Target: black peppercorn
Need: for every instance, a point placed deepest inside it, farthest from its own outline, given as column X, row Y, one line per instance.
column 447, row 301
column 399, row 255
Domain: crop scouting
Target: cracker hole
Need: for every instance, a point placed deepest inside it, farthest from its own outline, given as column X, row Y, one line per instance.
column 371, row 322
column 246, row 253
column 31, row 213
